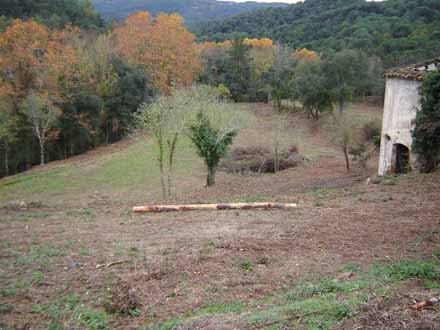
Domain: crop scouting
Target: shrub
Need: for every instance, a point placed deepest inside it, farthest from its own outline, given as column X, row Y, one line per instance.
column 426, row 135
column 212, row 144
column 123, row 299
column 371, row 130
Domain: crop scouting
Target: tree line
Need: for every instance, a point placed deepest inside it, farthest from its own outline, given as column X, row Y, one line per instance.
column 260, row 70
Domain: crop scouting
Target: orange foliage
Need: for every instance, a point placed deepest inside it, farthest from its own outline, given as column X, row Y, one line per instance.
column 259, row 43
column 254, row 43
column 305, row 54
column 34, row 58
column 207, row 46
column 162, row 47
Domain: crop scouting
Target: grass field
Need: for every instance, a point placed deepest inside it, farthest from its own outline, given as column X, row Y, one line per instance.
column 352, row 256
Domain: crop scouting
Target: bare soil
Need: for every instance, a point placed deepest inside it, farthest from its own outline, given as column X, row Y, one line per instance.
column 179, row 262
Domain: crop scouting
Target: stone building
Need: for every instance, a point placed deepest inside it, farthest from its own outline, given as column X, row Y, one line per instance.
column 402, row 101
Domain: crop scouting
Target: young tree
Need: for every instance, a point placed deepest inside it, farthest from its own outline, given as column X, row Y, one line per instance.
column 165, row 118
column 347, row 137
column 426, row 133
column 42, row 115
column 342, row 134
column 212, row 144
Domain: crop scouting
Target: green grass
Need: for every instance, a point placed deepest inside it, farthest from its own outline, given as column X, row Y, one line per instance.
column 132, row 174
column 42, row 254
column 318, row 304
column 132, row 171
column 71, row 311
column 247, row 266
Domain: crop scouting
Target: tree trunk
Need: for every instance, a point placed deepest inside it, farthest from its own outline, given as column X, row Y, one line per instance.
column 211, row 176
column 41, row 152
column 341, row 105
column 347, row 161
column 231, row 206
column 172, row 151
column 6, row 159
column 161, row 165
column 317, row 113
column 278, row 104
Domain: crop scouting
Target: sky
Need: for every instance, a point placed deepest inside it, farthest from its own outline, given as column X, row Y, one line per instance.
column 286, row 1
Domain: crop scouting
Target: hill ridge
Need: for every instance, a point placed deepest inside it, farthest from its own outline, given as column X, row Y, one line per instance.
column 194, row 11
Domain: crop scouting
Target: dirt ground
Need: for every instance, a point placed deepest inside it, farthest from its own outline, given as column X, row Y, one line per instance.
column 179, row 262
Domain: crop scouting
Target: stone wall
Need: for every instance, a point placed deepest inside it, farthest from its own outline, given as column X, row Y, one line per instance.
column 402, row 100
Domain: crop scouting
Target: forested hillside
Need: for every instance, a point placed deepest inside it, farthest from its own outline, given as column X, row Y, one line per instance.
column 65, row 89
column 53, row 13
column 194, row 11
column 399, row 31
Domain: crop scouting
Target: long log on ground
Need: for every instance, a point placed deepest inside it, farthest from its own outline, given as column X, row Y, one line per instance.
column 231, row 206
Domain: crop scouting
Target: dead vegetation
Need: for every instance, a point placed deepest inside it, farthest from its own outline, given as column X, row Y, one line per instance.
column 259, row 160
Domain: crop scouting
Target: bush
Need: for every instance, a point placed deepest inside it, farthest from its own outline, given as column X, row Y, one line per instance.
column 426, row 135
column 371, row 130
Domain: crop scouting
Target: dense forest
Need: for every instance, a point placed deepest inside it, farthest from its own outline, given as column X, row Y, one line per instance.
column 193, row 11
column 398, row 31
column 52, row 13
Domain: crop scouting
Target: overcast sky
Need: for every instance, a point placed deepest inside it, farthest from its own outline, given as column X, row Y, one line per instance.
column 287, row 1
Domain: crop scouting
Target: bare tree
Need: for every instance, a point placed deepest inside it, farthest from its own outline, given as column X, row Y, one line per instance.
column 165, row 120
column 277, row 137
column 42, row 115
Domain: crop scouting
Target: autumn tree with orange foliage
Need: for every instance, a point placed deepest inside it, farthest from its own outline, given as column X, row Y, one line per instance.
column 35, row 59
column 37, row 64
column 162, row 47
column 305, row 54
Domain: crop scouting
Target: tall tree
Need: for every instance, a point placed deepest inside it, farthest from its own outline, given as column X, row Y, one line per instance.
column 240, row 72
column 346, row 71
column 280, row 76
column 162, row 47
column 36, row 59
column 311, row 89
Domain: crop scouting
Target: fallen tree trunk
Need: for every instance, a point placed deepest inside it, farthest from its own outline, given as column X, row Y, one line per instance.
column 425, row 303
column 194, row 207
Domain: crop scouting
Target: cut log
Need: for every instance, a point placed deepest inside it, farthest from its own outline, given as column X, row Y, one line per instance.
column 426, row 303
column 194, row 207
